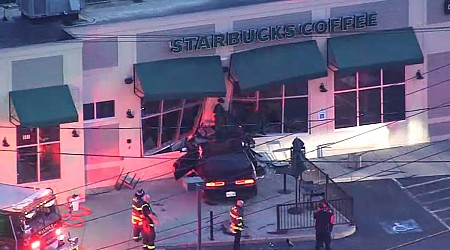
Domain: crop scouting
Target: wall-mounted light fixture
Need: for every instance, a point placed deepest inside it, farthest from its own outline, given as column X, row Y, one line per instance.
column 128, row 80
column 5, row 142
column 419, row 75
column 75, row 133
column 130, row 114
column 322, row 88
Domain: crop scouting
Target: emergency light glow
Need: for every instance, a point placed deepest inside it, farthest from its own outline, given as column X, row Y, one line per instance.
column 245, row 182
column 58, row 231
column 215, row 184
column 35, row 245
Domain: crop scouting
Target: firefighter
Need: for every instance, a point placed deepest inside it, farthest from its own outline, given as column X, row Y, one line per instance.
column 136, row 214
column 324, row 217
column 149, row 222
column 237, row 223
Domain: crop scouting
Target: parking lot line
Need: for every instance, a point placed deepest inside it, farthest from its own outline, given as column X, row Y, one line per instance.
column 427, row 182
column 433, row 201
column 418, row 202
column 430, row 192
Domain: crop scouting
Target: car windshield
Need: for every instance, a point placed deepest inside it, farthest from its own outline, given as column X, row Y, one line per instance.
column 43, row 216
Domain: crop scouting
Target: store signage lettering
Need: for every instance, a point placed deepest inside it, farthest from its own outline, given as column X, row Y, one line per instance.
column 272, row 33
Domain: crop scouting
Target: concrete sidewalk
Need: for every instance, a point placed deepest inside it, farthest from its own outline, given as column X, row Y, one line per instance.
column 109, row 225
column 399, row 162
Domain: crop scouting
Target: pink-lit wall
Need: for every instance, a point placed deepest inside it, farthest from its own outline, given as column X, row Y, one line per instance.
column 72, row 166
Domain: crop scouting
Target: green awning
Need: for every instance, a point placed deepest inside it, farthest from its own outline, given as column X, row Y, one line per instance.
column 281, row 64
column 48, row 106
column 183, row 78
column 374, row 50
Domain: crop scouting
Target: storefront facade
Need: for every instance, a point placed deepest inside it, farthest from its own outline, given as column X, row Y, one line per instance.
column 319, row 70
column 40, row 130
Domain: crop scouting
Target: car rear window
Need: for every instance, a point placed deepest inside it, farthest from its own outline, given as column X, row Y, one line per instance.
column 227, row 166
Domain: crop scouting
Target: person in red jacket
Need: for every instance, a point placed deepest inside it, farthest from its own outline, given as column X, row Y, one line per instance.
column 237, row 223
column 324, row 218
column 136, row 214
column 149, row 222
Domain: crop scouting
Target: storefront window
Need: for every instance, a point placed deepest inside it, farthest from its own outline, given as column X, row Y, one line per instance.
column 376, row 97
column 296, row 115
column 272, row 91
column 369, row 106
column 345, row 109
column 188, row 119
column 271, row 112
column 275, row 109
column 369, row 78
column 393, row 103
column 170, row 126
column 38, row 160
column 164, row 122
column 344, row 82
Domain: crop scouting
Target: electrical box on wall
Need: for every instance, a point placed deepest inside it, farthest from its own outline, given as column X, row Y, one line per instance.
column 447, row 7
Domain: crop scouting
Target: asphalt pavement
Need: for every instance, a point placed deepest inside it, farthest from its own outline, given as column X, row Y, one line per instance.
column 379, row 204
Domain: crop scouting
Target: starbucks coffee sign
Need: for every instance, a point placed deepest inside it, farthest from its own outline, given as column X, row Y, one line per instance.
column 273, row 33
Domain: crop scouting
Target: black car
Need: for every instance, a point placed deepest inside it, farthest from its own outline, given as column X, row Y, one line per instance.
column 226, row 168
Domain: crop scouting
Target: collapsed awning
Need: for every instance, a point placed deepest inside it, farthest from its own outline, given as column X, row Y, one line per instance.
column 281, row 64
column 374, row 50
column 48, row 106
column 183, row 78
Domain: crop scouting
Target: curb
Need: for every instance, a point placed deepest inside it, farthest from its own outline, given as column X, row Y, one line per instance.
column 275, row 238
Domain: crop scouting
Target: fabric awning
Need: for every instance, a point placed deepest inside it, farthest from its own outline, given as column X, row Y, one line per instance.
column 374, row 50
column 41, row 107
column 184, row 78
column 281, row 64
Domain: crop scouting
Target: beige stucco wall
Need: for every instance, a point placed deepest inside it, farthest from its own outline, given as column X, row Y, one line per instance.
column 72, row 166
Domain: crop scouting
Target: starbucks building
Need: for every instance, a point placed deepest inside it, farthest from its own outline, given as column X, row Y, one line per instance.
column 322, row 70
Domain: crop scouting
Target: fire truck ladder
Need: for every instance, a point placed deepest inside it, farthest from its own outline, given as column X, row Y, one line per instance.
column 126, row 180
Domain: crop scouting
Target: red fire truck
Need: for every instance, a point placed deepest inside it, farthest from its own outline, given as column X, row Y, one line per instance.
column 30, row 220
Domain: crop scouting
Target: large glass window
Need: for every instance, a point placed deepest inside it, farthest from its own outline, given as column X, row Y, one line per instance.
column 275, row 109
column 38, row 159
column 164, row 122
column 369, row 97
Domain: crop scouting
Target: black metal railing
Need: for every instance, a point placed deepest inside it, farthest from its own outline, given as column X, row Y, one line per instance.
column 301, row 215
column 315, row 186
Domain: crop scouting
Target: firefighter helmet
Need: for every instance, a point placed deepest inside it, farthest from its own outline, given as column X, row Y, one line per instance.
column 139, row 193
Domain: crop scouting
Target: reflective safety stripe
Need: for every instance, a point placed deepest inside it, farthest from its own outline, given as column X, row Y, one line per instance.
column 136, row 218
column 235, row 216
column 136, row 208
column 139, row 208
column 149, row 246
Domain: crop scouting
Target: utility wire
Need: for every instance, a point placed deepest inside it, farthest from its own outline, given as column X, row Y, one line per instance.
column 223, row 126
column 164, row 38
column 265, row 142
column 174, row 158
column 276, row 139
column 399, row 166
column 393, row 157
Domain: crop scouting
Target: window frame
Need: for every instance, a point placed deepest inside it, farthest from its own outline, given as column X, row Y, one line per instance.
column 159, row 144
column 257, row 98
column 38, row 155
column 95, row 107
column 358, row 89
